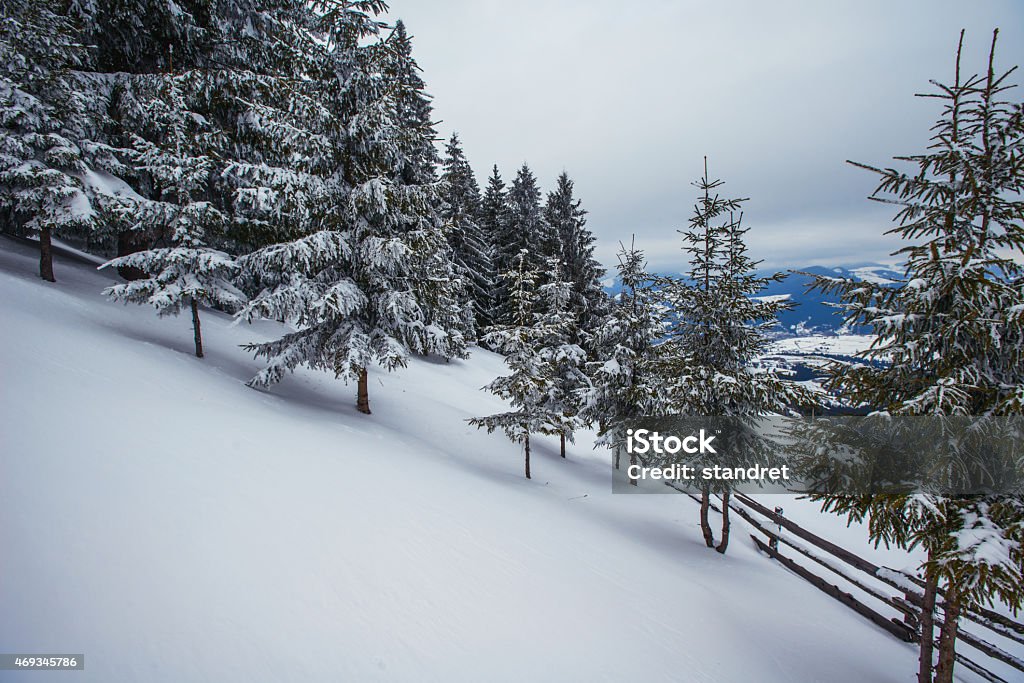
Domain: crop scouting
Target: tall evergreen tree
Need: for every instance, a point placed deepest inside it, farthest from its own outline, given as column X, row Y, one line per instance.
column 950, row 342
column 462, row 211
column 524, row 229
column 413, row 109
column 187, row 272
column 41, row 166
column 624, row 381
column 718, row 331
column 566, row 360
column 568, row 221
column 374, row 283
column 494, row 220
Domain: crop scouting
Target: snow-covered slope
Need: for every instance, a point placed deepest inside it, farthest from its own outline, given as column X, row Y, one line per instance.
column 174, row 525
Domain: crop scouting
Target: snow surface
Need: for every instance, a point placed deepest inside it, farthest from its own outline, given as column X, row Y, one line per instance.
column 842, row 345
column 174, row 525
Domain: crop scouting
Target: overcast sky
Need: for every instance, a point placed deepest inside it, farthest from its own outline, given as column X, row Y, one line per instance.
column 629, row 98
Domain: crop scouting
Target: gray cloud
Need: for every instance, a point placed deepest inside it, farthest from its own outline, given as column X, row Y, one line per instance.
column 776, row 94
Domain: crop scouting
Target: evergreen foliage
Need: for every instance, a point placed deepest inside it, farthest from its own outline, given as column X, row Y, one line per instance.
column 951, row 339
column 576, row 250
column 532, row 347
column 494, row 221
column 41, row 166
column 375, row 283
column 462, row 211
column 565, row 358
column 522, row 230
column 717, row 331
column 624, row 379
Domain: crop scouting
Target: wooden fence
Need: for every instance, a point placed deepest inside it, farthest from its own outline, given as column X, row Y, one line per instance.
column 899, row 592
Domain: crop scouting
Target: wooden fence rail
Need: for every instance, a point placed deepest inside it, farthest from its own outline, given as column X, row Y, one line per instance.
column 907, row 602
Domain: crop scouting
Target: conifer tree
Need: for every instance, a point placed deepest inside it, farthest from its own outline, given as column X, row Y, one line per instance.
column 718, row 331
column 41, row 166
column 531, row 384
column 471, row 251
column 624, row 384
column 188, row 272
column 413, row 109
column 374, row 284
column 568, row 221
column 950, row 342
column 448, row 303
column 566, row 359
column 494, row 219
column 524, row 228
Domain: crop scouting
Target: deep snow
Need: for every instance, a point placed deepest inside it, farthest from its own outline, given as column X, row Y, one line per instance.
column 175, row 525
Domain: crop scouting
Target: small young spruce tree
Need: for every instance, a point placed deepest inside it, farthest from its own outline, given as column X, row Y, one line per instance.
column 717, row 331
column 531, row 386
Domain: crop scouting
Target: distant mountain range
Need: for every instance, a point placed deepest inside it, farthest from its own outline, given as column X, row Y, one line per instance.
column 812, row 313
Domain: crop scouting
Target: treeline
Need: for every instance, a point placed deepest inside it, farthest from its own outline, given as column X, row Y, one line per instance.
column 275, row 160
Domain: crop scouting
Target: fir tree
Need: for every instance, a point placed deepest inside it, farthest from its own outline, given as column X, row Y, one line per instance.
column 566, row 359
column 471, row 251
column 531, row 386
column 188, row 272
column 718, row 331
column 524, row 229
column 494, row 219
column 568, row 221
column 374, row 284
column 181, row 276
column 624, row 384
column 413, row 109
column 445, row 294
column 41, row 166
column 950, row 342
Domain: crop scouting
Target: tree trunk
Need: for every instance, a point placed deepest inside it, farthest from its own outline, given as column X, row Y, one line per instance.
column 924, row 669
column 632, row 461
column 561, row 443
column 724, row 543
column 196, row 330
column 947, row 635
column 45, row 256
column 527, row 442
column 363, row 393
column 705, row 526
column 618, row 454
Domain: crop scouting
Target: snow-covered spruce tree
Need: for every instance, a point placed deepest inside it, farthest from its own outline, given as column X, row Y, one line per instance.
column 716, row 333
column 576, row 251
column 372, row 284
column 623, row 378
column 523, row 229
column 531, row 385
column 444, row 288
column 147, row 36
column 254, row 73
column 951, row 342
column 494, row 218
column 187, row 272
column 471, row 250
column 413, row 109
column 566, row 359
column 41, row 192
